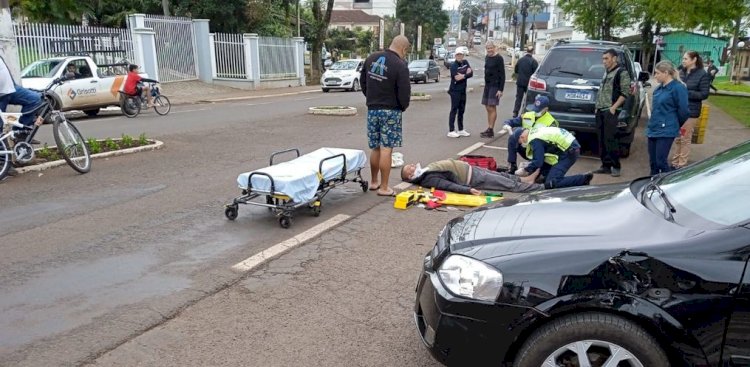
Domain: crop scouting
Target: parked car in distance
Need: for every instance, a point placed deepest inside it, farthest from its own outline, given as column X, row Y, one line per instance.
column 342, row 75
column 450, row 58
column 570, row 75
column 94, row 87
column 477, row 40
column 477, row 33
column 424, row 70
column 441, row 52
column 452, row 42
column 652, row 272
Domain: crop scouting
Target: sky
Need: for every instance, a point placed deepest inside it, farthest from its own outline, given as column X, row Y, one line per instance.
column 450, row 4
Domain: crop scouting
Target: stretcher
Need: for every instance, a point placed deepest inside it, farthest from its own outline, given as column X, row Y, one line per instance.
column 408, row 198
column 302, row 181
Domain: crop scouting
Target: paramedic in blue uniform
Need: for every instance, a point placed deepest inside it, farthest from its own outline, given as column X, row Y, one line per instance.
column 385, row 83
column 554, row 150
column 538, row 115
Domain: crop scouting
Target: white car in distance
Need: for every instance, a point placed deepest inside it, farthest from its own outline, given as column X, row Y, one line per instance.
column 343, row 74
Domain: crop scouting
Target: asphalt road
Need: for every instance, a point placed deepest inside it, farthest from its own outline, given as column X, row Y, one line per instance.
column 130, row 264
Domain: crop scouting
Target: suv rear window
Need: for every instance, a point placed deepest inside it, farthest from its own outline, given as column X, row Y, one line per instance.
column 570, row 62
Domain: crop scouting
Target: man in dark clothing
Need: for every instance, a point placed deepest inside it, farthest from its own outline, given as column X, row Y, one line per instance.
column 385, row 83
column 494, row 83
column 524, row 68
column 460, row 71
column 458, row 176
column 712, row 70
column 609, row 101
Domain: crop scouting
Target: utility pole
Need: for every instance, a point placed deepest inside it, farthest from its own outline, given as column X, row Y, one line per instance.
column 299, row 30
column 8, row 46
column 524, row 14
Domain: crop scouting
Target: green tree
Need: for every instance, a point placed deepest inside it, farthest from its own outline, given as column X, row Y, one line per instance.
column 427, row 13
column 598, row 18
column 321, row 18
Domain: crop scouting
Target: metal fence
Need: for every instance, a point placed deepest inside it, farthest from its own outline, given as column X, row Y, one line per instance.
column 38, row 41
column 229, row 56
column 175, row 47
column 278, row 58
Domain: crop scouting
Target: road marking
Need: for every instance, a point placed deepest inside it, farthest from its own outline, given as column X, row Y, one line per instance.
column 260, row 258
column 307, row 99
column 258, row 104
column 495, row 147
column 402, row 186
column 200, row 109
column 471, row 149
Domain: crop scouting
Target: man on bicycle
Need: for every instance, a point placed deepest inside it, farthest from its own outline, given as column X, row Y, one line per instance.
column 12, row 93
column 134, row 84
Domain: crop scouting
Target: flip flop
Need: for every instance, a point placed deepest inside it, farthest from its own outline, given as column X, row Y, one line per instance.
column 392, row 193
column 373, row 188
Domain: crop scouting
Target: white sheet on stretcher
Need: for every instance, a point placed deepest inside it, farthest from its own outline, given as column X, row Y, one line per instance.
column 298, row 178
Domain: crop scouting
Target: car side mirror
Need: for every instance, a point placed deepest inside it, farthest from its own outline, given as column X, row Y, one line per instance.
column 644, row 76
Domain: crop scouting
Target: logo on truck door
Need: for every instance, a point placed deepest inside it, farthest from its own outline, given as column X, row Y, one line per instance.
column 72, row 94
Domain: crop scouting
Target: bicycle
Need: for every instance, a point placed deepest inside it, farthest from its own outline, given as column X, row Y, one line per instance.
column 132, row 104
column 70, row 142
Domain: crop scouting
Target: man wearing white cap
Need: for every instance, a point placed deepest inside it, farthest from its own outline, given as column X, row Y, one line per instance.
column 460, row 72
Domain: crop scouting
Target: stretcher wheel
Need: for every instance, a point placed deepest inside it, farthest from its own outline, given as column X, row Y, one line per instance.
column 365, row 185
column 285, row 222
column 231, row 212
column 316, row 211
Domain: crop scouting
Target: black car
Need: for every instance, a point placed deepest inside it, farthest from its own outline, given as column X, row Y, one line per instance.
column 424, row 70
column 570, row 75
column 648, row 273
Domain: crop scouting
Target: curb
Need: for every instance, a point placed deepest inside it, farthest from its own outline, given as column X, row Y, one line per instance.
column 61, row 162
column 421, row 98
column 340, row 111
column 230, row 99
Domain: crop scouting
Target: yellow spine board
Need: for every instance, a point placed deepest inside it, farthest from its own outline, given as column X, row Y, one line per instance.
column 407, row 198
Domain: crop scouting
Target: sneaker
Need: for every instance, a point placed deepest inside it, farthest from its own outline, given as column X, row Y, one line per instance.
column 512, row 168
column 603, row 170
column 621, row 124
column 453, row 134
column 487, row 133
column 463, row 133
column 615, row 172
column 12, row 172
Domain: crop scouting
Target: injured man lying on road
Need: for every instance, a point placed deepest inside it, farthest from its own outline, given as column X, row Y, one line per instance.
column 458, row 176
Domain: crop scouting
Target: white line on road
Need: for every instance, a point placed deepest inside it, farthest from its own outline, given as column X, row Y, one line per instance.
column 265, row 96
column 471, row 149
column 495, row 147
column 402, row 186
column 185, row 111
column 307, row 99
column 258, row 104
column 258, row 259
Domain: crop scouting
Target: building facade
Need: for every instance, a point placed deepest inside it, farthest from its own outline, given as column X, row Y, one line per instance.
column 381, row 8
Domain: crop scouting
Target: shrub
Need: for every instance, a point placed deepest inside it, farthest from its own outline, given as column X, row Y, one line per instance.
column 111, row 144
column 94, row 146
column 127, row 141
column 142, row 140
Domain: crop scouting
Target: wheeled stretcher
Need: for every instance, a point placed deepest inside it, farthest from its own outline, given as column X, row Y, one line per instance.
column 302, row 181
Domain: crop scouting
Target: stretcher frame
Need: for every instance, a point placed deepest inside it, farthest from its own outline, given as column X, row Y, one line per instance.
column 281, row 204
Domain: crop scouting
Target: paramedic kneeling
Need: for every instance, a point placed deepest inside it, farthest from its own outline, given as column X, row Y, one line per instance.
column 554, row 150
column 458, row 176
column 537, row 116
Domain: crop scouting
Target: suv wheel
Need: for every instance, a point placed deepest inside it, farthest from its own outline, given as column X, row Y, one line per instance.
column 601, row 339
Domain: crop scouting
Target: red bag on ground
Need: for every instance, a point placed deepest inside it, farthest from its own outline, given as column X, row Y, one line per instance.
column 480, row 161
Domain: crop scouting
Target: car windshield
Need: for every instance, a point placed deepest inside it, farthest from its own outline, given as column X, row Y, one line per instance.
column 582, row 63
column 345, row 65
column 418, row 64
column 41, row 69
column 715, row 190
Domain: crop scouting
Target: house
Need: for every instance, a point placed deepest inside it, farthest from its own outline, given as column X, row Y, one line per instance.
column 676, row 43
column 351, row 19
column 381, row 8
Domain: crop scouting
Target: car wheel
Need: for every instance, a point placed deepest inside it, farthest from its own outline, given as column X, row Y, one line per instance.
column 437, row 80
column 355, row 85
column 326, row 90
column 92, row 112
column 602, row 339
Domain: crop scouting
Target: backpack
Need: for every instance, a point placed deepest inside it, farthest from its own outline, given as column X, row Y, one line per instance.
column 480, row 161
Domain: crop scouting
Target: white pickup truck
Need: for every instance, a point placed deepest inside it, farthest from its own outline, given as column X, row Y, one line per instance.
column 93, row 88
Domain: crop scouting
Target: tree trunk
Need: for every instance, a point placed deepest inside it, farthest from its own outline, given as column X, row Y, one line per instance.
column 735, row 40
column 647, row 43
column 322, row 20
column 165, row 7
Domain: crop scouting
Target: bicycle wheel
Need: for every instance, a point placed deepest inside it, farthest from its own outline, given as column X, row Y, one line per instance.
column 130, row 107
column 71, row 145
column 162, row 105
column 5, row 159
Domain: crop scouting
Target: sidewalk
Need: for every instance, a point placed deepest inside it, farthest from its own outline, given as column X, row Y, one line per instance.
column 194, row 91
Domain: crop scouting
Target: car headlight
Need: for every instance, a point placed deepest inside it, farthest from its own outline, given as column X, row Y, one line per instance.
column 470, row 278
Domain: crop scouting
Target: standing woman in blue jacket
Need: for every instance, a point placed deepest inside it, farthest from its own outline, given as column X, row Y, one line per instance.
column 698, row 82
column 460, row 71
column 670, row 111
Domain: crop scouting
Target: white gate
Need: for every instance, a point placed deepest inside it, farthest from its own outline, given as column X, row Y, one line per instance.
column 175, row 47
column 278, row 58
